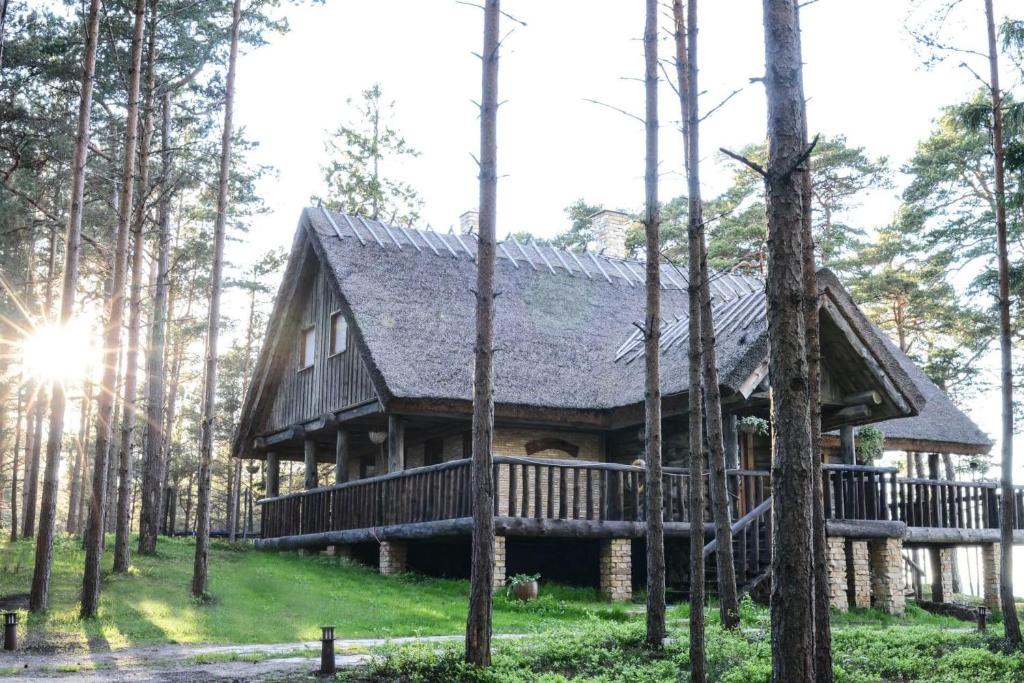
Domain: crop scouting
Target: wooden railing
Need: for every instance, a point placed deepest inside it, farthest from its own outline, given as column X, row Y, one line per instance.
column 548, row 489
column 536, row 488
column 854, row 492
column 948, row 504
column 858, row 492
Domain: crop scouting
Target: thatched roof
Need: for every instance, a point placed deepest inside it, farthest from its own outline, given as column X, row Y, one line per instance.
column 940, row 428
column 565, row 322
column 561, row 321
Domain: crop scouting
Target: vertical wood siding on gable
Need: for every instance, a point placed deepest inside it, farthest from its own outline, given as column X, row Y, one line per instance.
column 334, row 382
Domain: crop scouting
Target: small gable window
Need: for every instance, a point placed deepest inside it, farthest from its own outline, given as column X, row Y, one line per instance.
column 307, row 347
column 339, row 333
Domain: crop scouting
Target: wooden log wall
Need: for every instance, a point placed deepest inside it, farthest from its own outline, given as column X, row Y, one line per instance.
column 334, row 382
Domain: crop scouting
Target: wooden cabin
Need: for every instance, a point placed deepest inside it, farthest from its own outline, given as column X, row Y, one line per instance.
column 368, row 367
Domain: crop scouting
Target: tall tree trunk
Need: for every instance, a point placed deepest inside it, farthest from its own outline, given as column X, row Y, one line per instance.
column 122, row 552
column 149, row 514
column 1007, row 511
column 696, row 417
column 478, row 621
column 821, row 592
column 112, row 331
column 39, row 596
column 652, row 342
column 726, row 571
column 75, row 487
column 237, row 462
column 5, row 395
column 172, row 360
column 14, row 467
column 32, row 480
column 792, row 615
column 31, row 483
column 199, row 571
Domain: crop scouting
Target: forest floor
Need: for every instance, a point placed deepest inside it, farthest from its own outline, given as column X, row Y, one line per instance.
column 260, row 597
column 262, row 623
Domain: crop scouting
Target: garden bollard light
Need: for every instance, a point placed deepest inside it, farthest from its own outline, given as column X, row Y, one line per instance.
column 327, row 650
column 10, row 630
column 982, row 617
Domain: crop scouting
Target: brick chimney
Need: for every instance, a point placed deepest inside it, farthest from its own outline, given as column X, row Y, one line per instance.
column 469, row 222
column 609, row 229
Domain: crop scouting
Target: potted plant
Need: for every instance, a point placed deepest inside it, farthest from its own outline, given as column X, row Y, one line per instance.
column 523, row 587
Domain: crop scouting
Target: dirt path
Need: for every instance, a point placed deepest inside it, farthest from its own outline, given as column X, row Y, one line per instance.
column 277, row 662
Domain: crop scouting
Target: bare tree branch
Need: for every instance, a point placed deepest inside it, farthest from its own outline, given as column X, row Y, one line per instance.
column 753, row 165
column 614, row 108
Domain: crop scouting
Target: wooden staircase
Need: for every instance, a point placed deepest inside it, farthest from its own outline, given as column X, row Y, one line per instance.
column 751, row 551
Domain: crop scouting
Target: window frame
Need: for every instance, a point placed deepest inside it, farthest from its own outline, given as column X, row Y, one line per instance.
column 309, row 329
column 336, row 316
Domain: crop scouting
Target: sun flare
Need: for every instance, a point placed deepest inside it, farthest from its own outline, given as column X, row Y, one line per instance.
column 62, row 353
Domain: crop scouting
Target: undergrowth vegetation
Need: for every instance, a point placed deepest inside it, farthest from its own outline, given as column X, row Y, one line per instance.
column 609, row 653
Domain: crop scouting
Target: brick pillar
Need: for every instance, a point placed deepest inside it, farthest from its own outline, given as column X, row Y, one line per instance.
column 617, row 569
column 499, row 562
column 990, row 575
column 858, row 574
column 343, row 550
column 942, row 574
column 887, row 575
column 837, row 573
column 392, row 557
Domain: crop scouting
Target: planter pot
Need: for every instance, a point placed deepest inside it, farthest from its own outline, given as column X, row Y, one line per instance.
column 525, row 591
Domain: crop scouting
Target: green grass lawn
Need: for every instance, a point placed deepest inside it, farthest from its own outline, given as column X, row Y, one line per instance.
column 262, row 597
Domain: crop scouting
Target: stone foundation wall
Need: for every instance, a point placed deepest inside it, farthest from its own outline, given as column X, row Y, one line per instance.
column 392, row 557
column 942, row 582
column 499, row 561
column 858, row 574
column 990, row 560
column 617, row 569
column 837, row 573
column 887, row 575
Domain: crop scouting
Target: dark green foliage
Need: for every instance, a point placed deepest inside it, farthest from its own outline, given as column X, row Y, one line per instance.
column 870, row 444
column 356, row 183
column 581, row 230
column 608, row 652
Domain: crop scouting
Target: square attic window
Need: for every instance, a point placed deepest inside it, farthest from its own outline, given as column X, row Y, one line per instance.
column 339, row 333
column 307, row 347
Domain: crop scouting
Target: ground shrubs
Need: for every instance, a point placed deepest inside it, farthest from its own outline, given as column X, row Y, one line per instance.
column 609, row 652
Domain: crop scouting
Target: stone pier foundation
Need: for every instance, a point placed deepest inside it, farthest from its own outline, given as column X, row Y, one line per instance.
column 887, row 575
column 990, row 560
column 858, row 573
column 342, row 550
column 392, row 557
column 499, row 562
column 617, row 569
column 837, row 584
column 942, row 574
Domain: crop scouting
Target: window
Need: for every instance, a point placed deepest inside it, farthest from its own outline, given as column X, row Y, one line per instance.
column 307, row 347
column 339, row 333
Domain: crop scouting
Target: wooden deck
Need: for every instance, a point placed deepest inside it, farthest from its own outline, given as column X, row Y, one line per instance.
column 572, row 499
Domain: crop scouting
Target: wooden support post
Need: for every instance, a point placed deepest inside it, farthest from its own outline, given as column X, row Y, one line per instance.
column 732, row 444
column 847, row 447
column 309, row 450
column 273, row 475
column 341, row 456
column 396, row 444
column 933, row 466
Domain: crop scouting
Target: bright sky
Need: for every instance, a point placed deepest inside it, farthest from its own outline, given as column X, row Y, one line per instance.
column 864, row 78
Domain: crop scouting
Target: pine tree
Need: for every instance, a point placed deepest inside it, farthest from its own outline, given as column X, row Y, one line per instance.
column 356, row 151
column 478, row 621
column 200, row 567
